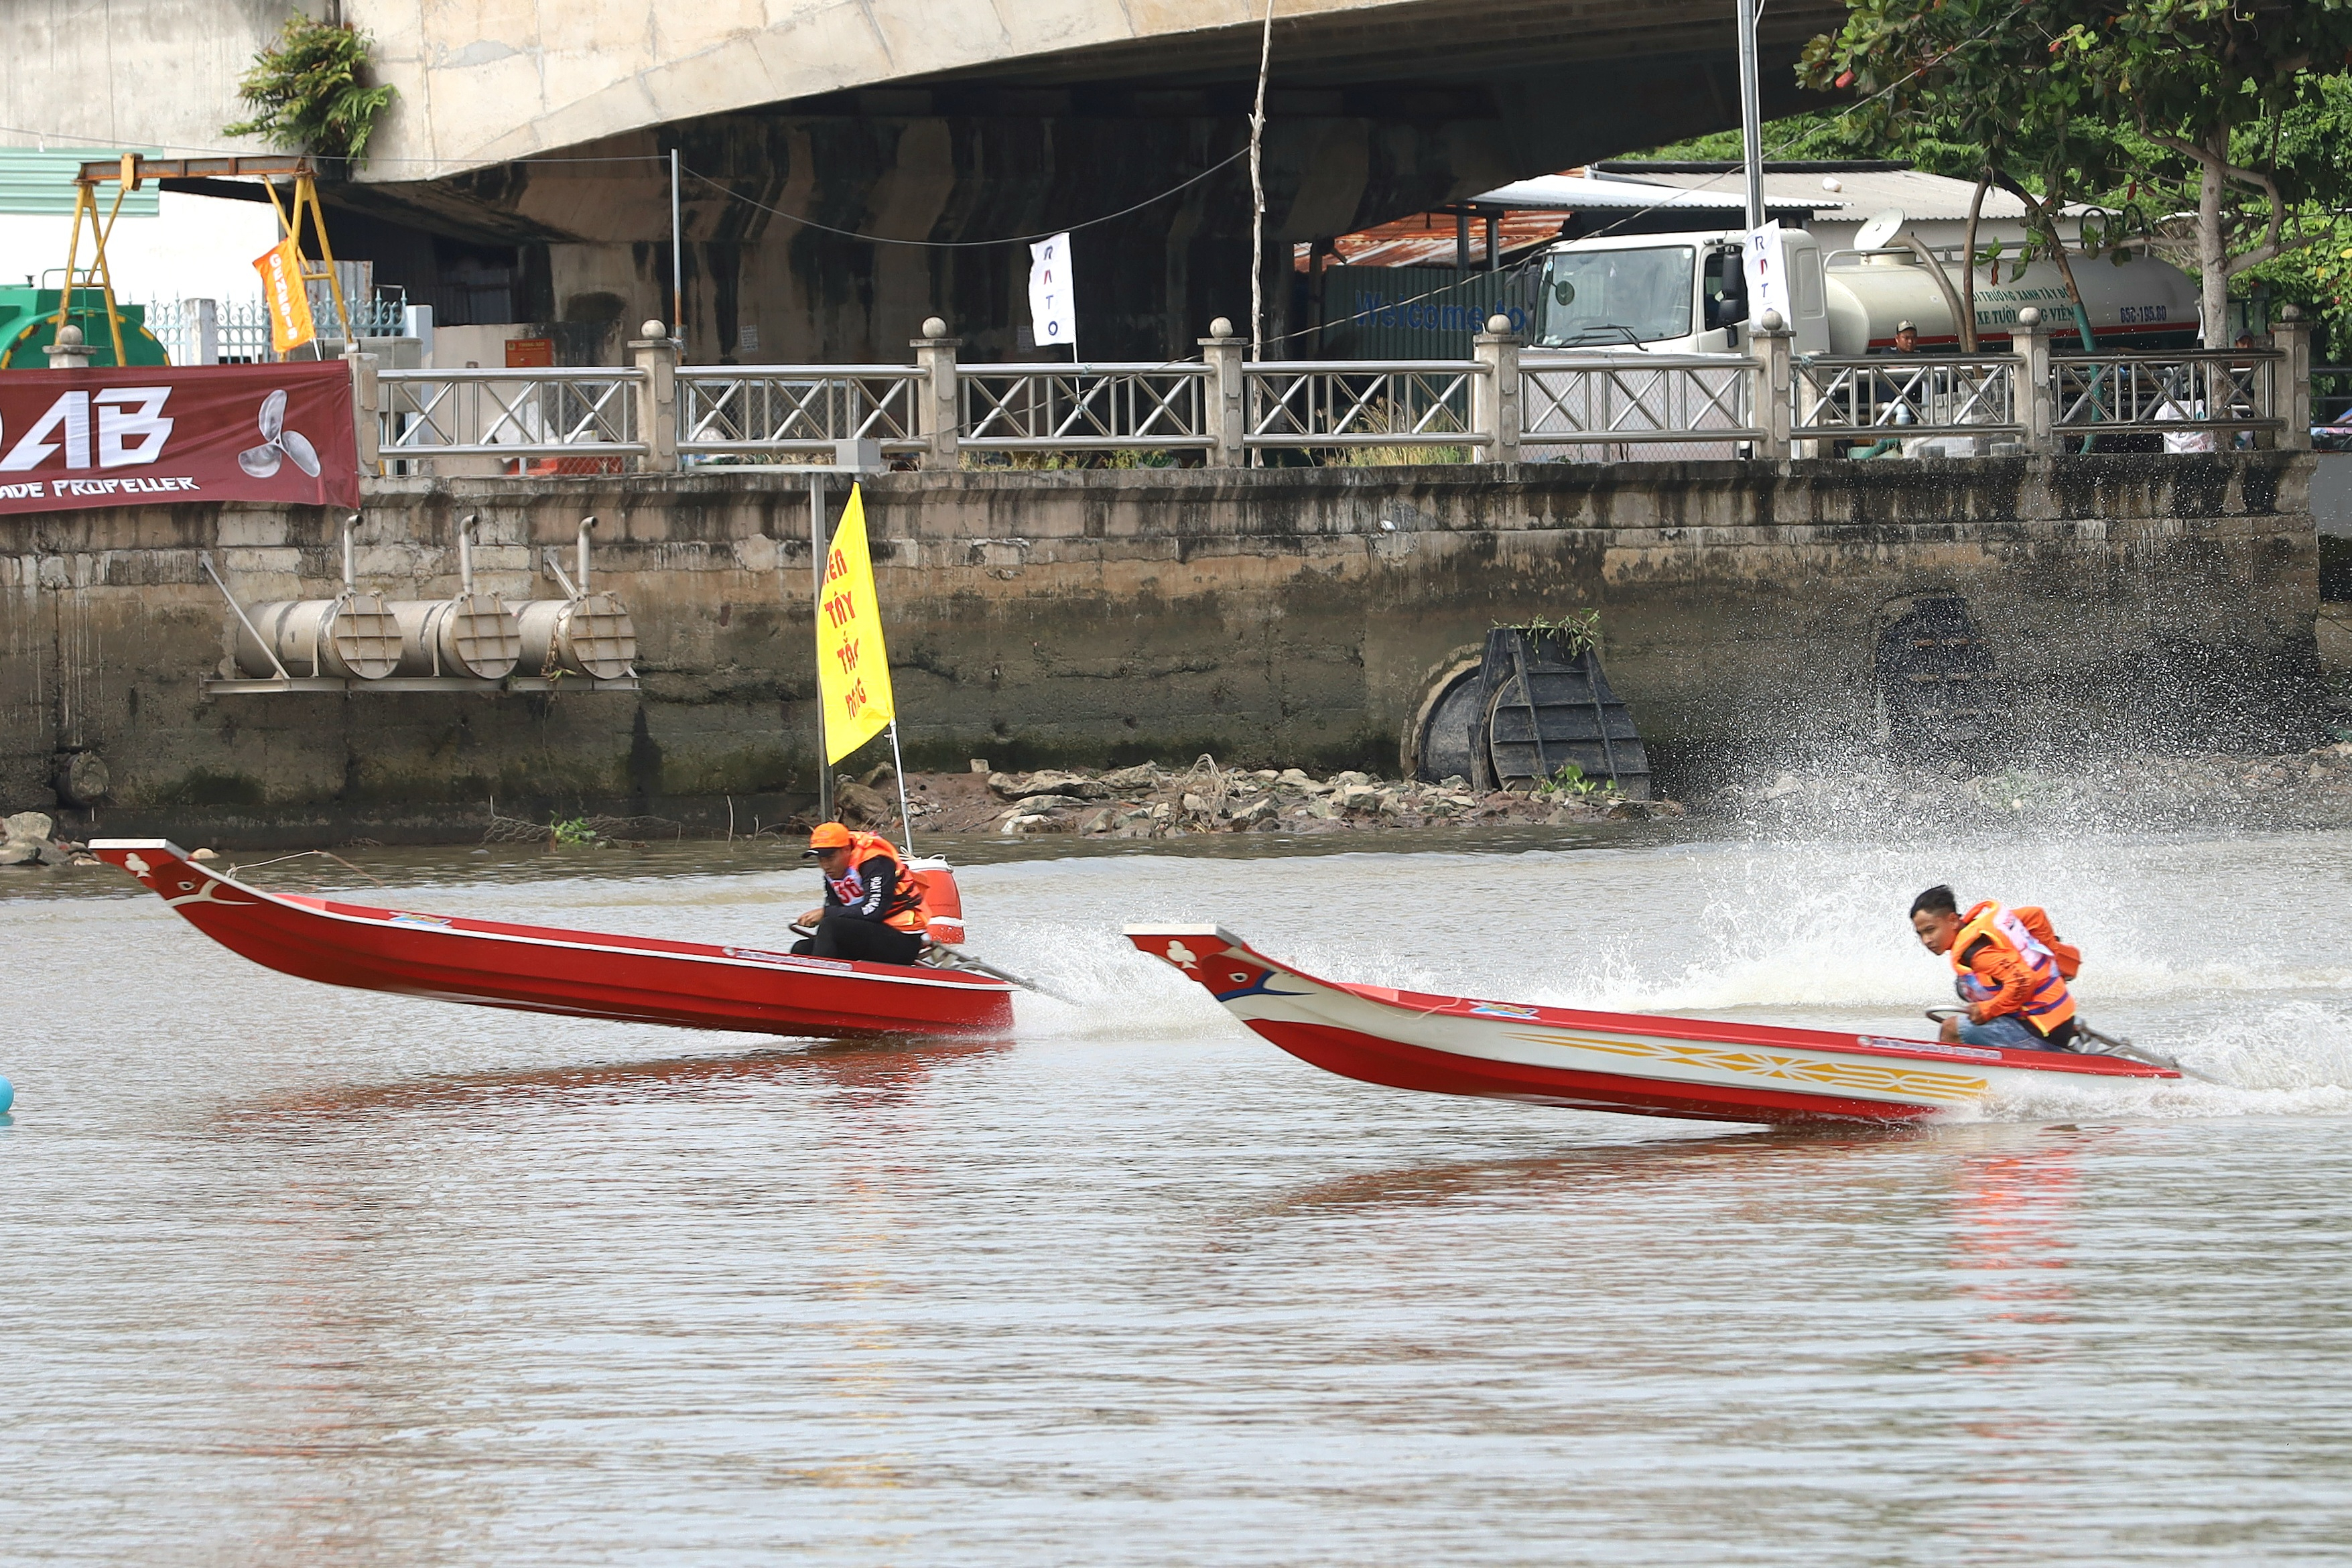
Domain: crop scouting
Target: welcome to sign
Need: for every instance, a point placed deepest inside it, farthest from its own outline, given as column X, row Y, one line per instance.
column 147, row 437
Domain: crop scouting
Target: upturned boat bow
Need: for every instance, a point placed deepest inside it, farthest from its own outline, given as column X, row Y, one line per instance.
column 1643, row 1064
column 541, row 969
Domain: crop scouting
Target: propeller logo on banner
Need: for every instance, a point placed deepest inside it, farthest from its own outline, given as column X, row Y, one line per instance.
column 278, row 443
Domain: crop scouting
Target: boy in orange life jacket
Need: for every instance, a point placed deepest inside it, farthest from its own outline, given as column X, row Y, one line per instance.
column 873, row 906
column 2008, row 965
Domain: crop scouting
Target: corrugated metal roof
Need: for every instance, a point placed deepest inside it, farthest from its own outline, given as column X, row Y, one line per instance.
column 1571, row 193
column 1922, row 195
column 35, row 183
column 1427, row 239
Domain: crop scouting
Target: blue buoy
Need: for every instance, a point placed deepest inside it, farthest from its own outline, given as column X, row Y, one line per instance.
column 8, row 1096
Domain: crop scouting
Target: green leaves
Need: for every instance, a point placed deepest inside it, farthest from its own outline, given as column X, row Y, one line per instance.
column 309, row 91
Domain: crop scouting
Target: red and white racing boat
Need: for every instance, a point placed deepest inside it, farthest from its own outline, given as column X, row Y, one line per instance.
column 1638, row 1063
column 586, row 975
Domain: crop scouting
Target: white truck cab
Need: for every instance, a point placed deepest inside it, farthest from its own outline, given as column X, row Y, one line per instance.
column 1672, row 293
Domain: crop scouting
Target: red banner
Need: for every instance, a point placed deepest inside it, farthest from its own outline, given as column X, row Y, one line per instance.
column 148, row 436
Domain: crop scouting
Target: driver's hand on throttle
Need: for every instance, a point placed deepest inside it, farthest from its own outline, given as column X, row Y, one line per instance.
column 813, row 916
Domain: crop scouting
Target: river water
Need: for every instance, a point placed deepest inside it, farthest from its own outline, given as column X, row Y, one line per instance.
column 295, row 1275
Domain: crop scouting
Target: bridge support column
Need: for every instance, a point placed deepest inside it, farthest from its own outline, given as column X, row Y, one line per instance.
column 1494, row 391
column 940, row 418
column 1227, row 392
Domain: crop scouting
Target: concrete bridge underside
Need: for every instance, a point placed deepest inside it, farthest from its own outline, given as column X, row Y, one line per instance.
column 930, row 121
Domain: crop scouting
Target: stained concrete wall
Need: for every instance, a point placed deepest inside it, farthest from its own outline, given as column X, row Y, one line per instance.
column 1275, row 617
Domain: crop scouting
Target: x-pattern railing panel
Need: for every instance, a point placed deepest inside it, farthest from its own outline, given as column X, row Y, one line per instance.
column 1085, row 407
column 723, row 409
column 1906, row 396
column 1567, row 400
column 503, row 414
column 2230, row 390
column 1345, row 403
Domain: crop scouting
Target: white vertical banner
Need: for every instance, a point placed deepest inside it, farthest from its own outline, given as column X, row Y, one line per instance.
column 1052, row 304
column 1767, row 289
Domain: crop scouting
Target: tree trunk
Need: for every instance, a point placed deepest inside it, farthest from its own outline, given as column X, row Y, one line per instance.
column 2213, row 261
column 1969, row 267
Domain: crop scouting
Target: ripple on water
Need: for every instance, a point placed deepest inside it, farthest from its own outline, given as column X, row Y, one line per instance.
column 299, row 1275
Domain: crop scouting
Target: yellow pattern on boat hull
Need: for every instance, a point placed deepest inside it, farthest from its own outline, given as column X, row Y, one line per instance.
column 1910, row 1083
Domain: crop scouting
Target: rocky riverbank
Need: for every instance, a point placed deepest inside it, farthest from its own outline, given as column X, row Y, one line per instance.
column 1149, row 801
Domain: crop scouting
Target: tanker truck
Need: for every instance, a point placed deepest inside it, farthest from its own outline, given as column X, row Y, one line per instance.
column 1687, row 294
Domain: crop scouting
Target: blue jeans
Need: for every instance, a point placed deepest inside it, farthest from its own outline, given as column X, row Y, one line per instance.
column 2008, row 1033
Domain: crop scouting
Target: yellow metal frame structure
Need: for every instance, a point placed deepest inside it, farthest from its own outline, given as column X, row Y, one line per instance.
column 292, row 209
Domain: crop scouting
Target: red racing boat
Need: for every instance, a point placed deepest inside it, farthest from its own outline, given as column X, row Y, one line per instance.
column 585, row 975
column 1639, row 1063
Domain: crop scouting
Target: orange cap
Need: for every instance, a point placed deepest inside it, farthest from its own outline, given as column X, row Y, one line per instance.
column 829, row 836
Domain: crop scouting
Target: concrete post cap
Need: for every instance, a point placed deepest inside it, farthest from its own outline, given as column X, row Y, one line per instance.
column 935, row 326
column 69, row 336
column 2289, row 312
column 2028, row 317
column 1770, row 322
column 654, row 329
column 1223, row 327
column 1499, row 323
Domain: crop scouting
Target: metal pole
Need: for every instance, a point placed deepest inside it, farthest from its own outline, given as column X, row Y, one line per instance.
column 1751, row 133
column 817, row 609
column 906, row 817
column 677, row 260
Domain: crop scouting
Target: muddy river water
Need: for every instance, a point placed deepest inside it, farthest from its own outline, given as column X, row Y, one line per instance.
column 292, row 1275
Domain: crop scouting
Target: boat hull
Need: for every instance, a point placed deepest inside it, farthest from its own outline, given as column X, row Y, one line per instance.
column 542, row 969
column 1642, row 1064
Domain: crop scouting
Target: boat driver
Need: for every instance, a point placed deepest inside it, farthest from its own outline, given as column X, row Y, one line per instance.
column 873, row 906
column 2008, row 965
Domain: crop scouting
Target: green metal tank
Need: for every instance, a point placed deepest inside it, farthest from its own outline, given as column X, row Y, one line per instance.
column 28, row 325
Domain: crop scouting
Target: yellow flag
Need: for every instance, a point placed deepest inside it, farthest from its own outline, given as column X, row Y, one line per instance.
column 290, row 301
column 852, row 672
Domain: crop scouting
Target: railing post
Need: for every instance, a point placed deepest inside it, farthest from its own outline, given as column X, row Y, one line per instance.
column 2290, row 391
column 941, row 417
column 1228, row 410
column 656, row 357
column 1772, row 394
column 1495, row 390
column 367, row 424
column 2036, row 399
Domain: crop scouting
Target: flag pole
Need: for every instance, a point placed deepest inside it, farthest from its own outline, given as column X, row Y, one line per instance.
column 817, row 631
column 898, row 772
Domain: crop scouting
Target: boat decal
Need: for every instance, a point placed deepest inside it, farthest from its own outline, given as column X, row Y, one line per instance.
column 136, row 866
column 1183, row 957
column 430, row 923
column 209, row 892
column 1882, row 1042
column 1911, row 1083
column 1505, row 1010
column 797, row 960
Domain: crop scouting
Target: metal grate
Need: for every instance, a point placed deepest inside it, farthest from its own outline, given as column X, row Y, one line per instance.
column 724, row 410
column 1893, row 395
column 1350, row 404
column 495, row 413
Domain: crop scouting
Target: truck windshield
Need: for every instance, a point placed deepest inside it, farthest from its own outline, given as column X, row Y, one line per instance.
column 1596, row 297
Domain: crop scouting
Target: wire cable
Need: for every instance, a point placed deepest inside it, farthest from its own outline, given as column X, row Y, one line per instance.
column 967, row 244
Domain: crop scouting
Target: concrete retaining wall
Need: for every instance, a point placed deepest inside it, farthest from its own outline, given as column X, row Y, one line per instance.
column 1280, row 616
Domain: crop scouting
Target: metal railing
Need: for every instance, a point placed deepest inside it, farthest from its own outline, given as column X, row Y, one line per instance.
column 555, row 412
column 2152, row 393
column 1084, row 408
column 1356, row 403
column 1499, row 406
column 727, row 411
column 1889, row 396
column 1629, row 400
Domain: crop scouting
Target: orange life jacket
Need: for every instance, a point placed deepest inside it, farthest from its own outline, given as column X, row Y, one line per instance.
column 2048, row 1004
column 907, row 910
